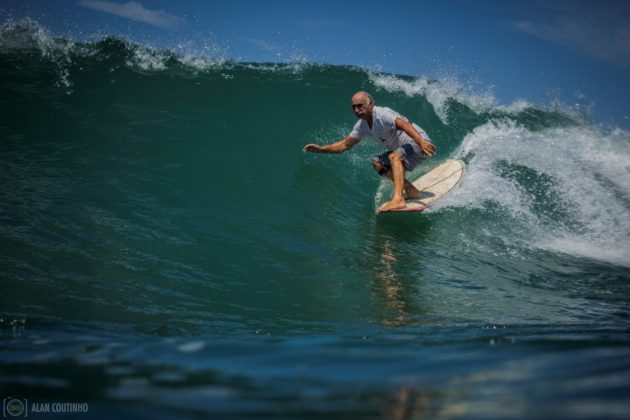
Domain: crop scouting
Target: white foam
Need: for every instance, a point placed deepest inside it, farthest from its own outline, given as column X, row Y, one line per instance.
column 203, row 55
column 590, row 172
column 147, row 59
column 437, row 92
column 150, row 59
column 440, row 92
column 516, row 107
column 27, row 33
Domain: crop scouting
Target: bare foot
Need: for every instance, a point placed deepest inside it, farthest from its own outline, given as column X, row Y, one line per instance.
column 392, row 205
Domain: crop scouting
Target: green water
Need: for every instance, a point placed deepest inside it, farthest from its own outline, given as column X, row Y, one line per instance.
column 170, row 251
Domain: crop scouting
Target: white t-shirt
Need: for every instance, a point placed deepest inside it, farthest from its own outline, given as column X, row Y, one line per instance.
column 384, row 130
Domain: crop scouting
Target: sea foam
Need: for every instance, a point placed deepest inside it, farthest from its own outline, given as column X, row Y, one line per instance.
column 568, row 189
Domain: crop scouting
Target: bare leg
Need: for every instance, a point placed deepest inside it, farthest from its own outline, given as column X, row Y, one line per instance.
column 409, row 191
column 398, row 176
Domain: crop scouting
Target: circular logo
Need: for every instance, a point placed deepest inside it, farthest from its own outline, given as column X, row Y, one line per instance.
column 15, row 407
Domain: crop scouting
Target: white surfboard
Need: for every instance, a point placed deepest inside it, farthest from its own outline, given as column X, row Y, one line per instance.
column 434, row 185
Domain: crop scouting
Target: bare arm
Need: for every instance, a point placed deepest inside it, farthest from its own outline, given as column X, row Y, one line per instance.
column 426, row 146
column 338, row 147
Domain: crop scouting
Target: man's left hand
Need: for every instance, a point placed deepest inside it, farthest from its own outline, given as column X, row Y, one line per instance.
column 427, row 147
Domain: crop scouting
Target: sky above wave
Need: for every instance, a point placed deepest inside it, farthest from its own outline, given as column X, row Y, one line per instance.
column 574, row 51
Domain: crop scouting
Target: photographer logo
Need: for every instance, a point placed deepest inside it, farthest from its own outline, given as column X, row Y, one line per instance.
column 14, row 407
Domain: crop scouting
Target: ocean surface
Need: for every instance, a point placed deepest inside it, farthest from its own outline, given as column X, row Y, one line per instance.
column 169, row 251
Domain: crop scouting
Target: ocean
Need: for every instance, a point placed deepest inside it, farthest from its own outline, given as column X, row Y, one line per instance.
column 169, row 251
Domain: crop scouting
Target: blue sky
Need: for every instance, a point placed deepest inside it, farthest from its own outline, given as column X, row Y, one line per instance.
column 538, row 50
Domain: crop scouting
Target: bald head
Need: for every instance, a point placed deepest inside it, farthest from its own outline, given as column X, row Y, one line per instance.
column 364, row 97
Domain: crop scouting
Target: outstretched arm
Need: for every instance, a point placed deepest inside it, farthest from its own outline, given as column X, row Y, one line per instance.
column 338, row 147
column 427, row 147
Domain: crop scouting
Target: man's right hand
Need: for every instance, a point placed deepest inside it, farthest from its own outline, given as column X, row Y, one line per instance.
column 314, row 148
column 339, row 147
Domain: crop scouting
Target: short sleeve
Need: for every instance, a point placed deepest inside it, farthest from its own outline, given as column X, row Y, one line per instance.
column 360, row 130
column 388, row 118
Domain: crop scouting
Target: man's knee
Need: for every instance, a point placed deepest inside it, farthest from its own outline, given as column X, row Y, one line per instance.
column 396, row 160
column 395, row 157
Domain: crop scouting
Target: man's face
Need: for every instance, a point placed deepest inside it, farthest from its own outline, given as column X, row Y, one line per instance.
column 361, row 106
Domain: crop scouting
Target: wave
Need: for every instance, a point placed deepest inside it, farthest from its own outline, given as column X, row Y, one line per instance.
column 28, row 34
column 567, row 189
column 562, row 180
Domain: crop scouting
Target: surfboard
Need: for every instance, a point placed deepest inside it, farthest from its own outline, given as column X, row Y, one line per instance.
column 434, row 185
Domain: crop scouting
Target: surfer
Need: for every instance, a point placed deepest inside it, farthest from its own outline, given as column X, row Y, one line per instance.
column 407, row 145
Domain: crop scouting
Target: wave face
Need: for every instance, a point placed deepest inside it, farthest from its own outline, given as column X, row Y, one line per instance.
column 163, row 230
